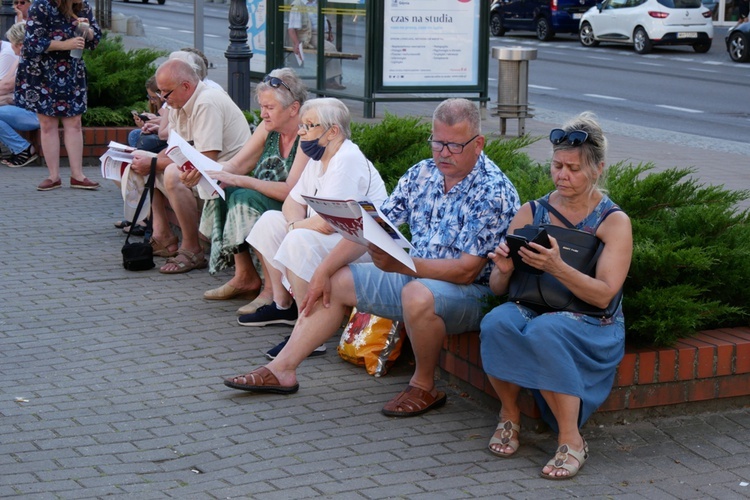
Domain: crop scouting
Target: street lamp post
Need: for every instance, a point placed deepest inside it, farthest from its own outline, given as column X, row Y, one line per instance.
column 238, row 55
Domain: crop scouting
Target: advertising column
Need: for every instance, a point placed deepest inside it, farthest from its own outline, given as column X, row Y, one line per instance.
column 431, row 43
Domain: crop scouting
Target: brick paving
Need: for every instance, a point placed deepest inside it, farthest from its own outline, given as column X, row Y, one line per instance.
column 111, row 385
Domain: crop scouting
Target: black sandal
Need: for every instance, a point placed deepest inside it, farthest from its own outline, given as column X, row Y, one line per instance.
column 122, row 224
column 23, row 158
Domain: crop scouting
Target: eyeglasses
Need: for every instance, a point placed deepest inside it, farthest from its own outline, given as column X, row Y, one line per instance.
column 574, row 137
column 455, row 148
column 23, row 2
column 164, row 97
column 153, row 97
column 276, row 82
column 307, row 126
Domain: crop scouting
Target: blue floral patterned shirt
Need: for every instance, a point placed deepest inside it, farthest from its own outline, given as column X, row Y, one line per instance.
column 472, row 217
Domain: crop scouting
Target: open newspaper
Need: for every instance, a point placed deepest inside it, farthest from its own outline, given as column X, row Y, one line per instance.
column 186, row 157
column 362, row 222
column 116, row 159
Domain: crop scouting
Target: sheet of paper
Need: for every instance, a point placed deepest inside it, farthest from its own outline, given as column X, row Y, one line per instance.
column 187, row 158
column 301, row 56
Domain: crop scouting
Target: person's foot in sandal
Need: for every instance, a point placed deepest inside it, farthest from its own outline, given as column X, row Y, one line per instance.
column 184, row 262
column 566, row 463
column 164, row 247
column 413, row 401
column 504, row 442
column 260, row 380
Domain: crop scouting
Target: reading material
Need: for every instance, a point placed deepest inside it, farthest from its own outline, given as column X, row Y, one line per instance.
column 188, row 158
column 116, row 158
column 362, row 222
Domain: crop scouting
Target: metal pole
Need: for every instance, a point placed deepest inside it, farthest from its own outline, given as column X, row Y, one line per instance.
column 7, row 16
column 198, row 25
column 238, row 55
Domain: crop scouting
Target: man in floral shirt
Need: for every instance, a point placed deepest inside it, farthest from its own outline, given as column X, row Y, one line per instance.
column 458, row 206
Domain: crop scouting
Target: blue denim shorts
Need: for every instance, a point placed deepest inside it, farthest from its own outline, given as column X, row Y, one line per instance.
column 379, row 293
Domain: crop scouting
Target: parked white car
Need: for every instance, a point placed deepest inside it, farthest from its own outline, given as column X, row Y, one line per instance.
column 646, row 23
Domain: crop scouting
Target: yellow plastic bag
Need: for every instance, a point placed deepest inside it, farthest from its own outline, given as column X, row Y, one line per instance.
column 372, row 342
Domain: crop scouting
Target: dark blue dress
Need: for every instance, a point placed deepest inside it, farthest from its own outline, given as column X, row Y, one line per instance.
column 560, row 352
column 52, row 83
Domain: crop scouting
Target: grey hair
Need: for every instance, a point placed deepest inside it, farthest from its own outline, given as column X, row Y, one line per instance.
column 16, row 33
column 178, row 71
column 458, row 110
column 330, row 112
column 194, row 60
column 593, row 150
column 286, row 97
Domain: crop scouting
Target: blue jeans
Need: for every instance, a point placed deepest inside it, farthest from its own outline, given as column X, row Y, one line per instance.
column 147, row 142
column 13, row 118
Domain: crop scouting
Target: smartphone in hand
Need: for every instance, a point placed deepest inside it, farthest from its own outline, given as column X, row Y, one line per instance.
column 143, row 117
column 517, row 241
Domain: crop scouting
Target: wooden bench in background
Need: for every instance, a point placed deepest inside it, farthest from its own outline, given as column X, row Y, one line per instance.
column 334, row 55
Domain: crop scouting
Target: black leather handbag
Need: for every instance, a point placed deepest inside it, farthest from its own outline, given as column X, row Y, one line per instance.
column 542, row 292
column 139, row 256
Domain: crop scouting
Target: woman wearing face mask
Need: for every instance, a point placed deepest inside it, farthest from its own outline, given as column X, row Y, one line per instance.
column 293, row 241
column 256, row 179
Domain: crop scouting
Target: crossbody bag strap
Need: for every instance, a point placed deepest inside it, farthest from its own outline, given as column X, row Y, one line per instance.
column 561, row 217
column 148, row 189
column 555, row 212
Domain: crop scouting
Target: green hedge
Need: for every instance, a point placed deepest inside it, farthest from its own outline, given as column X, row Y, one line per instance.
column 690, row 264
column 691, row 255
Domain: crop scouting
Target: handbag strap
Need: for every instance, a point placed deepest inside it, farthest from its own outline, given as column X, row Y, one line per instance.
column 148, row 189
column 600, row 247
column 555, row 212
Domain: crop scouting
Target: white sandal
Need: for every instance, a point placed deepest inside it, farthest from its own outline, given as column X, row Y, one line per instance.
column 560, row 461
column 506, row 430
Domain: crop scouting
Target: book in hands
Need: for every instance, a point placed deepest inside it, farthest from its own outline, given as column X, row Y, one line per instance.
column 117, row 157
column 187, row 158
column 362, row 222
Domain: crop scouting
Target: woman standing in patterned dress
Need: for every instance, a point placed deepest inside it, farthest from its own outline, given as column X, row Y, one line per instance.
column 52, row 83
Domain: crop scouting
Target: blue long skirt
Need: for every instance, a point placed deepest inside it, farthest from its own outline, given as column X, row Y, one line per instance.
column 560, row 352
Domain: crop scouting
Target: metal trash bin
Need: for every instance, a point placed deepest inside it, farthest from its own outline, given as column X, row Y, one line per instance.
column 513, row 85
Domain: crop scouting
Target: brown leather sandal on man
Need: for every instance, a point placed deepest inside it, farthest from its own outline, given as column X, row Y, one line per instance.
column 413, row 401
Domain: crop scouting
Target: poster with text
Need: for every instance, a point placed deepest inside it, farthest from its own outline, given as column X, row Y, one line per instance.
column 431, row 43
column 256, row 34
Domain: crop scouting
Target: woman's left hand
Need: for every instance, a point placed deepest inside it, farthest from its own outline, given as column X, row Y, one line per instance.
column 545, row 259
column 315, row 223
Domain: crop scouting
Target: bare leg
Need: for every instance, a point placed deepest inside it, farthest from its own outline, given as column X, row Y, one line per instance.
column 160, row 220
column 273, row 276
column 183, row 203
column 245, row 276
column 73, row 138
column 508, row 394
column 50, row 137
column 314, row 329
column 299, row 286
column 426, row 331
column 565, row 408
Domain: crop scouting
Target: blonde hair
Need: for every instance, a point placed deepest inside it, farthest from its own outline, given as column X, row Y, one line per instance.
column 16, row 33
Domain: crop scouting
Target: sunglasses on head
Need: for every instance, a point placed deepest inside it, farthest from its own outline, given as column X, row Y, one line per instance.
column 573, row 138
column 276, row 82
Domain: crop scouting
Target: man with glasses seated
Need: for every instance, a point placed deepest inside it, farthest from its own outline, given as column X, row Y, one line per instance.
column 458, row 205
column 215, row 125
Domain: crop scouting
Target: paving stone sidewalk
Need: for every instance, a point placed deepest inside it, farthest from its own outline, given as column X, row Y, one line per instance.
column 111, row 384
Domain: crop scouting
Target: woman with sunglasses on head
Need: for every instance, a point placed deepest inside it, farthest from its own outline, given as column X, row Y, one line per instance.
column 51, row 82
column 567, row 359
column 257, row 179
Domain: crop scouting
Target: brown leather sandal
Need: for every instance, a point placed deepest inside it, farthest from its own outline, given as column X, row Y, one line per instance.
column 413, row 401
column 185, row 261
column 162, row 249
column 260, row 380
